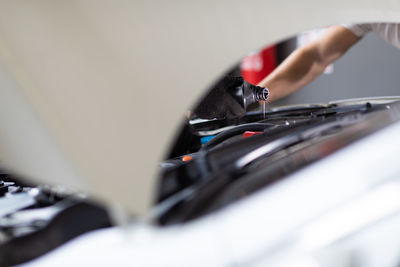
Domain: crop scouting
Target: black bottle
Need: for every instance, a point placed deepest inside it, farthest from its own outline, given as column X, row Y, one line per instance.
column 229, row 98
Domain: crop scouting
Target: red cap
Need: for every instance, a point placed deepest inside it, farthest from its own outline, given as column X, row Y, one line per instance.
column 250, row 133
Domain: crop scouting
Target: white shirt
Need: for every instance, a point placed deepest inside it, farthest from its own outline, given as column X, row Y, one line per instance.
column 390, row 32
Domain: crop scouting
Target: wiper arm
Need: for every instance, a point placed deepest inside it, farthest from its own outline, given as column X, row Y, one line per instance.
column 290, row 140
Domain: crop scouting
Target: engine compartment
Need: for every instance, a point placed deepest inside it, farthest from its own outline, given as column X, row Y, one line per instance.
column 37, row 219
column 212, row 165
column 246, row 154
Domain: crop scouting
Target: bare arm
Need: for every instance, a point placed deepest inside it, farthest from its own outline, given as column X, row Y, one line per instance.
column 308, row 62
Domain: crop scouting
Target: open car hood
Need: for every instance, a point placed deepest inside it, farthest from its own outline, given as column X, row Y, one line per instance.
column 87, row 102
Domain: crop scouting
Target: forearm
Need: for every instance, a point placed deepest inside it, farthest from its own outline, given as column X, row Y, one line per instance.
column 300, row 68
column 307, row 63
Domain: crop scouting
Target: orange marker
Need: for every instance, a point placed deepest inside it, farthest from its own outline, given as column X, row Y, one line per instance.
column 186, row 158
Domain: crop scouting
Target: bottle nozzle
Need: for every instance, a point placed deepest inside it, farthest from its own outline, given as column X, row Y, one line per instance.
column 261, row 93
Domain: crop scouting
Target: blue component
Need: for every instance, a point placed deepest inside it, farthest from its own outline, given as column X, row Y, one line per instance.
column 205, row 139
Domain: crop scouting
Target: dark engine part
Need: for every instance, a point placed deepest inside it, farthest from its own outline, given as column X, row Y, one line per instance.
column 231, row 167
column 34, row 220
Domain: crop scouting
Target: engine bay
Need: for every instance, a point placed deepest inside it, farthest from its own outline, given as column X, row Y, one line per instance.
column 222, row 161
column 211, row 165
